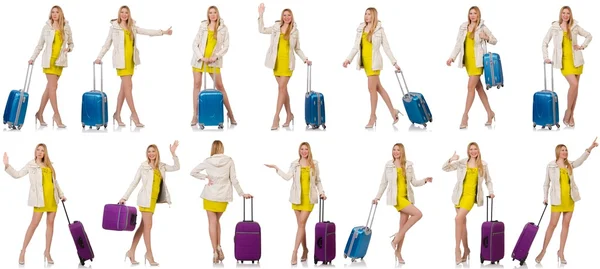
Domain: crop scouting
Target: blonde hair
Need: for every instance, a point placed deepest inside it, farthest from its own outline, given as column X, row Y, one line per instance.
column 309, row 158
column 478, row 160
column 566, row 161
column 129, row 25
column 402, row 157
column 153, row 146
column 570, row 23
column 217, row 148
column 374, row 21
column 476, row 8
column 46, row 159
column 61, row 20
column 218, row 22
column 288, row 31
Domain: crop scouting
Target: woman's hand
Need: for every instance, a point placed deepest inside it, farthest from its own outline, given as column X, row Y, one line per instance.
column 375, row 201
column 5, row 159
column 492, row 196
column 454, row 157
column 577, row 47
column 261, row 9
column 429, row 179
column 449, row 61
column 272, row 166
column 174, row 147
column 212, row 59
column 30, row 62
column 546, row 201
column 122, row 201
column 594, row 144
column 548, row 61
column 167, row 32
column 65, row 50
column 323, row 196
column 397, row 67
column 98, row 61
column 308, row 62
column 248, row 196
column 210, row 181
column 64, row 199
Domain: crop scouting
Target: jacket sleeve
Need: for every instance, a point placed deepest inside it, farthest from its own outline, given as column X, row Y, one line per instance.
column 458, row 45
column 174, row 167
column 491, row 36
column 355, row 48
column 134, row 183
column 581, row 159
column 586, row 34
column 547, row 184
column 386, row 47
column 107, row 44
column 69, row 34
column 488, row 181
column 261, row 27
column 289, row 174
column 450, row 166
column 318, row 179
column 196, row 44
column 297, row 48
column 545, row 43
column 39, row 46
column 413, row 179
column 197, row 171
column 234, row 181
column 17, row 174
column 148, row 32
column 219, row 54
column 57, row 186
column 382, row 186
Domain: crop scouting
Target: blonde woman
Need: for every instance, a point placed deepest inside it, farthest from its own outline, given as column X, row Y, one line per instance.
column 469, row 52
column 305, row 193
column 398, row 176
column 210, row 45
column 122, row 34
column 370, row 37
column 471, row 173
column 218, row 192
column 285, row 40
column 567, row 55
column 560, row 185
column 152, row 173
column 56, row 40
column 44, row 195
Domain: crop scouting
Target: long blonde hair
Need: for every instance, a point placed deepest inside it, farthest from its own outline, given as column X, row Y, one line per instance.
column 218, row 22
column 570, row 23
column 61, row 21
column 46, row 159
column 478, row 160
column 217, row 148
column 157, row 161
column 129, row 25
column 374, row 21
column 309, row 158
column 566, row 161
column 288, row 31
column 476, row 8
column 402, row 157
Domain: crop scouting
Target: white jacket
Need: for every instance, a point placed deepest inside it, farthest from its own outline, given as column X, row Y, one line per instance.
column 146, row 173
column 36, row 189
column 555, row 32
column 116, row 37
column 199, row 44
column 45, row 42
column 379, row 40
column 275, row 31
column 316, row 188
column 459, row 48
column 389, row 180
column 552, row 181
column 221, row 170
column 461, row 172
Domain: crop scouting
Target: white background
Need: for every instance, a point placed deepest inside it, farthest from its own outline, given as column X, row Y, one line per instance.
column 95, row 172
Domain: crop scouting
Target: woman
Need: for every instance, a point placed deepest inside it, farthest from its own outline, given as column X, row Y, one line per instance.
column 471, row 36
column 560, row 185
column 152, row 173
column 222, row 178
column 370, row 37
column 471, row 173
column 285, row 40
column 305, row 193
column 56, row 40
column 567, row 55
column 44, row 194
column 397, row 174
column 123, row 31
column 210, row 45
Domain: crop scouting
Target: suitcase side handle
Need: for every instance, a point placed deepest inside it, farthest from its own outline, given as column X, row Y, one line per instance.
column 66, row 214
column 551, row 77
column 371, row 217
column 101, row 76
column 251, row 210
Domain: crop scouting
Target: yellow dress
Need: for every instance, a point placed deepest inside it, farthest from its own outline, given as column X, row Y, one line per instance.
column 129, row 64
column 568, row 66
column 366, row 55
column 469, row 193
column 282, row 63
column 305, row 204
column 156, row 182
column 402, row 200
column 567, row 203
column 48, row 187
column 211, row 43
column 470, row 60
column 56, row 47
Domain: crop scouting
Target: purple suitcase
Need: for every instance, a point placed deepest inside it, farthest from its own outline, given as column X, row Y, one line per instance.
column 119, row 217
column 492, row 237
column 324, row 238
column 80, row 238
column 247, row 239
column 521, row 250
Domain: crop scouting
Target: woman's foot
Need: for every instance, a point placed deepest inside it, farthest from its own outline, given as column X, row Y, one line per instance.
column 48, row 258
column 561, row 257
column 465, row 121
column 294, row 257
column 215, row 257
column 572, row 121
column 194, row 121
column 38, row 117
column 290, row 118
column 136, row 120
column 56, row 119
column 22, row 257
column 491, row 117
column 231, row 118
column 568, row 118
column 540, row 256
column 117, row 118
column 150, row 259
column 399, row 257
column 275, row 125
column 220, row 252
column 129, row 254
column 304, row 255
column 372, row 122
column 457, row 256
column 396, row 115
column 466, row 256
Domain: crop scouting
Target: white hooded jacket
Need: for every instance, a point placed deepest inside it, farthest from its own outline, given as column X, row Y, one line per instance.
column 220, row 169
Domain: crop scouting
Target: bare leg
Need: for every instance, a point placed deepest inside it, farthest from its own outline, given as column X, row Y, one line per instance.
column 403, row 219
column 43, row 103
column 282, row 83
column 147, row 218
column 221, row 88
column 471, row 87
column 373, row 81
column 554, row 216
column 120, row 101
column 386, row 99
column 137, row 236
column 484, row 100
column 564, row 234
column 460, row 220
column 128, row 89
column 219, row 250
column 465, row 242
column 571, row 98
column 213, row 233
column 301, row 218
column 288, row 110
column 50, row 216
column 35, row 221
column 415, row 215
column 196, row 93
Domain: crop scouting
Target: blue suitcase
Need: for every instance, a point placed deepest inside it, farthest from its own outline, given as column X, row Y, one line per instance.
column 94, row 105
column 492, row 68
column 359, row 239
column 314, row 105
column 545, row 104
column 16, row 105
column 415, row 105
column 210, row 106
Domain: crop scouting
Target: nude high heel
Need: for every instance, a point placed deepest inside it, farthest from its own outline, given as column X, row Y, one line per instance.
column 117, row 120
column 467, row 255
column 56, row 121
column 220, row 252
column 559, row 259
column 285, row 125
column 147, row 259
column 397, row 116
column 465, row 122
column 493, row 118
column 22, row 255
column 457, row 256
column 47, row 258
column 294, row 258
column 374, row 119
column 38, row 117
column 215, row 257
column 304, row 256
column 131, row 258
column 137, row 124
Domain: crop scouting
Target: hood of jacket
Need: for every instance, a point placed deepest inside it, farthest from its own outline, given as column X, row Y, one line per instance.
column 391, row 164
column 278, row 24
column 49, row 23
column 465, row 25
column 556, row 24
column 218, row 160
column 115, row 23
column 465, row 160
column 204, row 24
column 361, row 26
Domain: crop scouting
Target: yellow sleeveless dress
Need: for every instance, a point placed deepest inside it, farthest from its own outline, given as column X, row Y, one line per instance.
column 50, row 204
column 469, row 193
column 568, row 65
column 129, row 64
column 211, row 43
column 402, row 194
column 470, row 60
column 567, row 203
column 156, row 181
column 282, row 63
column 305, row 204
column 366, row 54
column 56, row 47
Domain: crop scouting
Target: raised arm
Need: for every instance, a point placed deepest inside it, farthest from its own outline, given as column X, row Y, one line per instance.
column 134, row 183
column 289, row 175
column 149, row 32
column 587, row 35
column 234, row 181
column 39, row 47
column 106, row 45
column 14, row 173
column 386, row 47
column 451, row 164
column 261, row 26
column 585, row 155
column 69, row 34
column 175, row 166
column 545, row 43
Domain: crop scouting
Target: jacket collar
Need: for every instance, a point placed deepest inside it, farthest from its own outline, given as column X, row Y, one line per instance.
column 278, row 24
column 33, row 164
column 362, row 25
column 147, row 166
column 556, row 25
column 390, row 164
column 49, row 23
column 204, row 24
column 465, row 25
column 115, row 24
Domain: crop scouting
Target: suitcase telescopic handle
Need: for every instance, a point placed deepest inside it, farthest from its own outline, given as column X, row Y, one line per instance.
column 251, row 209
column 545, row 206
column 371, row 218
column 204, row 79
column 28, row 76
column 66, row 214
column 551, row 76
column 308, row 78
column 321, row 209
column 101, row 76
column 400, row 83
column 491, row 209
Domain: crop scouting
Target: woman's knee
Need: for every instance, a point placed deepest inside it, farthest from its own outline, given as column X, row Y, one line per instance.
column 418, row 215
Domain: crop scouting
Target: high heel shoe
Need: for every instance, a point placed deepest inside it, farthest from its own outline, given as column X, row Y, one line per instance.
column 131, row 258
column 294, row 258
column 137, row 123
column 491, row 119
column 117, row 120
column 539, row 257
column 147, row 259
column 457, row 256
column 38, row 117
column 231, row 119
column 304, row 256
column 275, row 125
column 397, row 117
column 558, row 258
column 374, row 119
column 220, row 252
column 465, row 122
column 215, row 257
column 48, row 259
column 466, row 255
column 22, row 258
column 54, row 120
column 287, row 124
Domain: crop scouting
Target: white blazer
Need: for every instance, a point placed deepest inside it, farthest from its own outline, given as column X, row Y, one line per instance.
column 294, row 173
column 36, row 189
column 389, row 180
column 552, row 181
column 459, row 48
column 555, row 32
column 461, row 172
column 221, row 170
column 145, row 173
column 199, row 44
column 275, row 31
column 379, row 40
column 46, row 41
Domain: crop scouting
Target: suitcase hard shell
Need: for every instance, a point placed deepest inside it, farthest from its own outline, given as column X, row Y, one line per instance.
column 119, row 217
column 16, row 105
column 247, row 239
column 314, row 105
column 523, row 245
column 415, row 105
column 210, row 106
column 81, row 240
column 94, row 105
column 492, row 69
column 492, row 238
column 359, row 239
column 324, row 238
column 545, row 105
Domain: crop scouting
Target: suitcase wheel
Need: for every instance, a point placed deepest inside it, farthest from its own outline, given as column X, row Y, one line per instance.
column 4, row 122
column 221, row 126
column 201, row 126
column 19, row 127
column 353, row 260
column 425, row 125
column 481, row 258
column 345, row 256
column 97, row 127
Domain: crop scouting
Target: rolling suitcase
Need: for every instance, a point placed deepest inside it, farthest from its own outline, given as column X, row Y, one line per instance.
column 247, row 239
column 16, row 105
column 545, row 104
column 119, row 217
column 210, row 110
column 492, row 237
column 415, row 105
column 314, row 104
column 359, row 239
column 324, row 238
column 521, row 250
column 80, row 237
column 94, row 105
column 492, row 68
